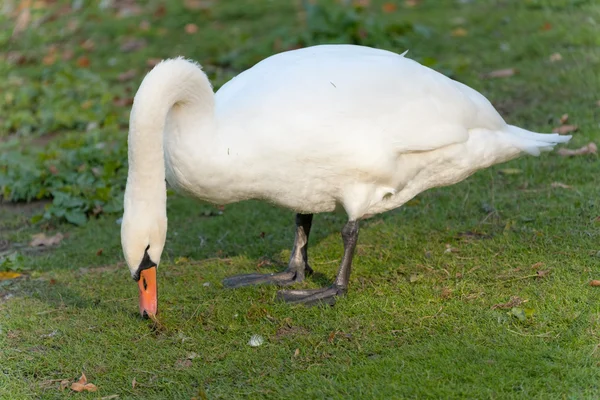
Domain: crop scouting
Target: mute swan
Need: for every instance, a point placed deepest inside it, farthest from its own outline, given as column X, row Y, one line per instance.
column 307, row 129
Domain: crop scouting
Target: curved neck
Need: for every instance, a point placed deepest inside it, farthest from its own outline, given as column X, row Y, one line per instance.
column 175, row 88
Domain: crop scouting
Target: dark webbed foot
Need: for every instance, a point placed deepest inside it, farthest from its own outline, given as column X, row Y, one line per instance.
column 284, row 278
column 297, row 269
column 311, row 297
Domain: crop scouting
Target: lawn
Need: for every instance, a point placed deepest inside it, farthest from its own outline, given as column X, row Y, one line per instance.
column 478, row 290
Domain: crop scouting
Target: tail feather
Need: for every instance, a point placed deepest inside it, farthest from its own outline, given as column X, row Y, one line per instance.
column 534, row 143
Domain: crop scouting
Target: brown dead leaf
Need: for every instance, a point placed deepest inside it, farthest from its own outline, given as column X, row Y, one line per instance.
column 128, row 75
column 190, row 29
column 560, row 185
column 83, row 385
column 459, row 32
column 564, row 129
column 197, row 4
column 564, row 118
column 83, row 62
column 388, row 8
column 554, row 57
column 595, row 283
column 160, row 11
column 40, row 239
column 22, row 22
column 537, row 265
column 296, row 352
column 133, row 383
column 501, row 73
column 541, row 274
column 547, row 26
column 133, row 44
column 152, row 62
column 513, row 302
column 589, row 148
column 185, row 363
column 64, row 384
column 7, row 275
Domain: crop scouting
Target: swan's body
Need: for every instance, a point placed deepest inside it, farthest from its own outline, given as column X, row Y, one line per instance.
column 309, row 129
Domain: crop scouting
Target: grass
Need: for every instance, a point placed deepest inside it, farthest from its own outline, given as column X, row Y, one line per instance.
column 421, row 319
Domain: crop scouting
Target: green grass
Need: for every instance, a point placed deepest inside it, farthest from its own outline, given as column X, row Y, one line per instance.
column 419, row 320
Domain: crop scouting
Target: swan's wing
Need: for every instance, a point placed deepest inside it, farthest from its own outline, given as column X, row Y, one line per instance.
column 334, row 94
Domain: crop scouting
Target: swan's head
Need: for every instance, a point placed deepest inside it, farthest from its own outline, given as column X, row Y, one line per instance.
column 143, row 237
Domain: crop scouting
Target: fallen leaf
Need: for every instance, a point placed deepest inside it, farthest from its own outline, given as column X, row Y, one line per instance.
column 547, row 26
column 40, row 239
column 88, row 45
column 133, row 383
column 128, row 75
column 161, row 11
column 595, row 282
column 513, row 302
column 197, row 4
column 99, row 252
column 64, row 384
column 184, row 363
column 554, row 57
column 6, row 275
column 564, row 129
column 501, row 73
column 82, row 384
column 560, row 185
column 589, row 148
column 132, row 44
column 22, row 21
column 564, row 118
column 459, row 32
column 542, row 274
column 296, row 352
column 388, row 8
column 152, row 62
column 83, row 62
column 190, row 29
column 537, row 265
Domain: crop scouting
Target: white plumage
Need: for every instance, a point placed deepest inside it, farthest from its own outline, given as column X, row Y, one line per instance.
column 308, row 129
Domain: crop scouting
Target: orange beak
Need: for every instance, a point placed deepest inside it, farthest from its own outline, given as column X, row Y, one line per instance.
column 148, row 292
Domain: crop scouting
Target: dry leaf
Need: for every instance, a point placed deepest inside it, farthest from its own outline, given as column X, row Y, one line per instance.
column 589, row 148
column 133, row 44
column 88, row 45
column 296, row 352
column 40, row 239
column 197, row 4
column 82, row 384
column 128, row 75
column 64, row 384
column 186, row 363
column 564, row 129
column 190, row 29
column 83, row 62
column 595, row 282
column 4, row 276
column 22, row 22
column 564, row 118
column 133, row 383
column 459, row 32
column 547, row 26
column 501, row 73
column 388, row 8
column 541, row 274
column 537, row 265
column 555, row 57
column 513, row 302
column 560, row 185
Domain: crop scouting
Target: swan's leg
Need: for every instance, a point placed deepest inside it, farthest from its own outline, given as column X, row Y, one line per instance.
column 340, row 285
column 297, row 268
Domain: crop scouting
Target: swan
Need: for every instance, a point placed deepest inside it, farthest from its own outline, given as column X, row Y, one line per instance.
column 308, row 130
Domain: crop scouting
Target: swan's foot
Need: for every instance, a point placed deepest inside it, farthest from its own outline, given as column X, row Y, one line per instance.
column 311, row 297
column 297, row 269
column 285, row 278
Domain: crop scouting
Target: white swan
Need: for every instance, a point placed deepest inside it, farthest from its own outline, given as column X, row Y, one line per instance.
column 307, row 129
